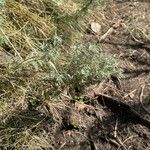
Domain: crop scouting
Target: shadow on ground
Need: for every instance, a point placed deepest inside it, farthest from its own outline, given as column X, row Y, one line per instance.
column 94, row 127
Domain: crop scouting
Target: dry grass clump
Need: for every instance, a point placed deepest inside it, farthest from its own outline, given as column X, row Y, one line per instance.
column 23, row 29
column 28, row 24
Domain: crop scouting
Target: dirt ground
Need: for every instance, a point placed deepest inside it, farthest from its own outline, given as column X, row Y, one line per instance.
column 122, row 122
column 92, row 126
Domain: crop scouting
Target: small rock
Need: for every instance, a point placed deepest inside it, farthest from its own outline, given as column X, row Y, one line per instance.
column 96, row 27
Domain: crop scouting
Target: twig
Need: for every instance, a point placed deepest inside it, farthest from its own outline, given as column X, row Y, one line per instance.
column 114, row 142
column 117, row 138
column 128, row 95
column 134, row 38
column 121, row 143
column 62, row 146
column 126, row 141
column 110, row 31
column 115, row 131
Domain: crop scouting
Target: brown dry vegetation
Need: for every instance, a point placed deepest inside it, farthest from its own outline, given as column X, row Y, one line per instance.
column 56, row 75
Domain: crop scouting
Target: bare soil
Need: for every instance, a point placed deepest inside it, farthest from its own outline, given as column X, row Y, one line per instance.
column 93, row 126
